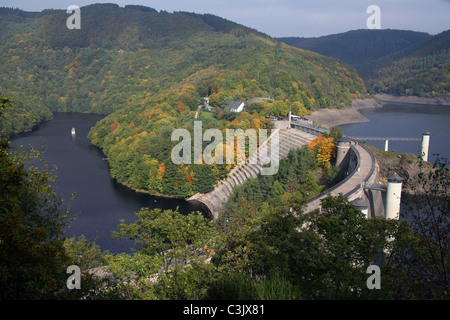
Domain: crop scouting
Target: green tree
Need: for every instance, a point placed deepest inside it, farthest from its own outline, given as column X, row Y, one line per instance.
column 204, row 178
column 32, row 217
column 174, row 237
column 176, row 245
column 427, row 252
column 323, row 254
column 279, row 108
column 337, row 245
column 336, row 133
column 298, row 108
column 174, row 182
column 83, row 253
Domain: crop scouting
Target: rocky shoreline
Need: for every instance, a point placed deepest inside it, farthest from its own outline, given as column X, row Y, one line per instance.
column 386, row 98
column 334, row 117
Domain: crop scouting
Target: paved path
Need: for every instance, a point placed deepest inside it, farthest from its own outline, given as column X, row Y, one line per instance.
column 198, row 110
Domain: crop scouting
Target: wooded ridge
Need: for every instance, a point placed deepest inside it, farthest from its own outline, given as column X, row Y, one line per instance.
column 149, row 71
column 396, row 62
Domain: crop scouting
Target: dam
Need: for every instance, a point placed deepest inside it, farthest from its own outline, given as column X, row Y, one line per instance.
column 360, row 185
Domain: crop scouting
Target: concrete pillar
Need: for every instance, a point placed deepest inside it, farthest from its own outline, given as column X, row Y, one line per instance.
column 342, row 151
column 393, row 196
column 386, row 145
column 362, row 205
column 425, row 145
column 289, row 125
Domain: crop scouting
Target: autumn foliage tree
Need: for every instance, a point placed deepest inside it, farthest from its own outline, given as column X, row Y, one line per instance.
column 181, row 108
column 325, row 149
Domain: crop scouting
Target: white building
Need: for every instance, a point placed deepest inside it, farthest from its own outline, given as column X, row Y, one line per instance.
column 236, row 106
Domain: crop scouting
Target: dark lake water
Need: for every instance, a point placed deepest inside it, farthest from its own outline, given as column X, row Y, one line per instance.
column 100, row 202
column 406, row 120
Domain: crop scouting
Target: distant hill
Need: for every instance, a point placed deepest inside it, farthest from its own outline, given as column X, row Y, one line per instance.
column 149, row 71
column 122, row 56
column 422, row 69
column 376, row 53
column 359, row 46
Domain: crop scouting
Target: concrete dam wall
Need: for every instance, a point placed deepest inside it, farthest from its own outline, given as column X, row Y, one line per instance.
column 287, row 139
column 356, row 161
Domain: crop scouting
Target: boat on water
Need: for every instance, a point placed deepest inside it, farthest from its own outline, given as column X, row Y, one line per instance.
column 73, row 131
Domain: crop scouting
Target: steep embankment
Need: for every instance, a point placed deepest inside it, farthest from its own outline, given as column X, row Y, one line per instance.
column 149, row 71
column 407, row 165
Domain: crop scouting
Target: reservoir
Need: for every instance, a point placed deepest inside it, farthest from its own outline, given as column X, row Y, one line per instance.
column 100, row 202
column 406, row 121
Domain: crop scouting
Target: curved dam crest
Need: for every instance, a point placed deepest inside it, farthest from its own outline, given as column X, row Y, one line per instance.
column 355, row 159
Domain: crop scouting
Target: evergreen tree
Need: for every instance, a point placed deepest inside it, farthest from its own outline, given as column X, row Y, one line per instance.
column 204, row 178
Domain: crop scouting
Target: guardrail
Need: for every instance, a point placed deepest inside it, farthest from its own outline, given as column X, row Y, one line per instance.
column 309, row 128
column 372, row 157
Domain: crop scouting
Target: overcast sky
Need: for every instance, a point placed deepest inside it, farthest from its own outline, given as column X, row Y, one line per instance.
column 279, row 18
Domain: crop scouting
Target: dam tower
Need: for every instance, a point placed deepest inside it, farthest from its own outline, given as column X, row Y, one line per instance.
column 425, row 145
column 393, row 196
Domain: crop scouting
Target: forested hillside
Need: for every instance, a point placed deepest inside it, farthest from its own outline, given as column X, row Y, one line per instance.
column 422, row 69
column 391, row 61
column 359, row 47
column 148, row 71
